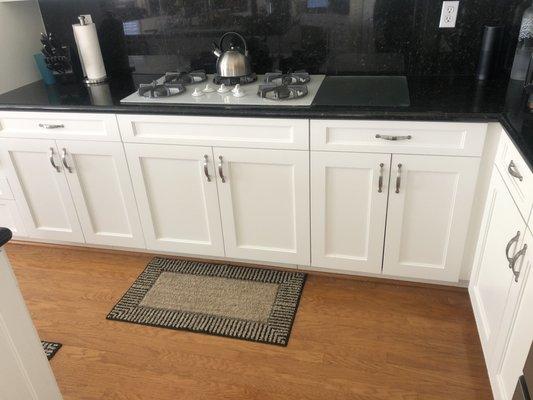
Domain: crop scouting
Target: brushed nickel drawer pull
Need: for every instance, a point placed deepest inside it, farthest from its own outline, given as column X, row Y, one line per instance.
column 206, row 168
column 64, row 160
column 51, row 126
column 512, row 263
column 513, row 171
column 514, row 239
column 380, row 180
column 393, row 138
column 220, row 170
column 52, row 161
column 399, row 178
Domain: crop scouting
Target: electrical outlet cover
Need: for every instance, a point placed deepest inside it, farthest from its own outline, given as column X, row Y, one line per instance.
column 448, row 16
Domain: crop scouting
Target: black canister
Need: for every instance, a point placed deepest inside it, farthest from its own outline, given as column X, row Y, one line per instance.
column 490, row 51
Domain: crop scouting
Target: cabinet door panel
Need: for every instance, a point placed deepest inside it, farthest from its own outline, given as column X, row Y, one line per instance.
column 264, row 203
column 348, row 211
column 178, row 206
column 10, row 218
column 493, row 290
column 41, row 191
column 101, row 188
column 428, row 215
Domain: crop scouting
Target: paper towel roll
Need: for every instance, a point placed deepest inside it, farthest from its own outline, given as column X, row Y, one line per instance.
column 89, row 51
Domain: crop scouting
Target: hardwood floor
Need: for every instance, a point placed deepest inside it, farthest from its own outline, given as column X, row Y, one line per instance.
column 351, row 339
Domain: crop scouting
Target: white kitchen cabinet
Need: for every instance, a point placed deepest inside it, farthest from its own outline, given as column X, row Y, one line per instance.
column 99, row 181
column 492, row 286
column 10, row 218
column 430, row 198
column 176, row 191
column 264, row 204
column 348, row 210
column 516, row 344
column 40, row 188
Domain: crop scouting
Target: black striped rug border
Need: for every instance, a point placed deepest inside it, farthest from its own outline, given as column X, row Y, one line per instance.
column 50, row 348
column 275, row 331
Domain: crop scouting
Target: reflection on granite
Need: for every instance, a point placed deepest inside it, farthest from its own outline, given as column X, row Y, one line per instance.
column 393, row 37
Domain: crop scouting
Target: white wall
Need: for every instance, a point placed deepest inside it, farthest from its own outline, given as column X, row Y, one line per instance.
column 21, row 24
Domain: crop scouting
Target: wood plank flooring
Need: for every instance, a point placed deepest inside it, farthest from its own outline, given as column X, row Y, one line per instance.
column 352, row 339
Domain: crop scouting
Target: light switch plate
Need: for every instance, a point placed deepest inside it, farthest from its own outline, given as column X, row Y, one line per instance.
column 448, row 16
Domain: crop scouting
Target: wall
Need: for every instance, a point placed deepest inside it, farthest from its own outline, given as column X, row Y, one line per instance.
column 20, row 27
column 327, row 36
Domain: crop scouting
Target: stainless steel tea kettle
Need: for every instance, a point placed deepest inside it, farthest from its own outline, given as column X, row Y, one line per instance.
column 232, row 63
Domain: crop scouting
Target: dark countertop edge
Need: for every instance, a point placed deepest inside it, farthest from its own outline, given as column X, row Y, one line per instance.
column 294, row 112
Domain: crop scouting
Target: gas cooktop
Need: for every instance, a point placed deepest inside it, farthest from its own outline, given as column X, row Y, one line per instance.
column 273, row 89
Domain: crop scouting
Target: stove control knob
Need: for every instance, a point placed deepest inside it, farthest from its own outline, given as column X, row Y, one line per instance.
column 208, row 89
column 197, row 93
column 223, row 89
column 237, row 91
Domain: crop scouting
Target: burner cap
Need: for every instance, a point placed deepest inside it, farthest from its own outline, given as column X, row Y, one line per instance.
column 155, row 90
column 282, row 92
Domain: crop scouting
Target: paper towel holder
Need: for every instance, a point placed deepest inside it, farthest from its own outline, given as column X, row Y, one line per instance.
column 86, row 80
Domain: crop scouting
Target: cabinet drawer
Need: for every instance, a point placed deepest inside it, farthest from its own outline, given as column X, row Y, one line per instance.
column 5, row 190
column 45, row 125
column 214, row 131
column 10, row 218
column 444, row 138
column 516, row 174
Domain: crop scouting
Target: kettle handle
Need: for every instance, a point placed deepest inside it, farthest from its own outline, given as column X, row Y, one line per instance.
column 236, row 34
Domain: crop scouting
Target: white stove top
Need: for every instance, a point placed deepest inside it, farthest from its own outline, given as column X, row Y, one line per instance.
column 250, row 98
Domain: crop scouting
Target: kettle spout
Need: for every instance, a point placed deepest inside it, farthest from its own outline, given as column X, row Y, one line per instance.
column 216, row 51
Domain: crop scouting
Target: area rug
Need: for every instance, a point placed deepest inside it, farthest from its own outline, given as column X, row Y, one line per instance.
column 256, row 304
column 50, row 348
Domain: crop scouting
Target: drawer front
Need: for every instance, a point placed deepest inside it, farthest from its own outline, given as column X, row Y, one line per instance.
column 214, row 131
column 53, row 125
column 5, row 190
column 443, row 138
column 10, row 218
column 516, row 174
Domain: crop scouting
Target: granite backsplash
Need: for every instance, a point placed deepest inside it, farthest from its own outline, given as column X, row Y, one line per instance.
column 322, row 36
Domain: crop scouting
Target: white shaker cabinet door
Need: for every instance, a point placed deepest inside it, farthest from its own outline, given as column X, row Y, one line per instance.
column 264, row 202
column 348, row 210
column 35, row 173
column 99, row 180
column 430, row 199
column 176, row 192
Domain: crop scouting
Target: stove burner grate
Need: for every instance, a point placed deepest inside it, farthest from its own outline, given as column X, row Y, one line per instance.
column 293, row 78
column 232, row 81
column 277, row 92
column 155, row 90
column 185, row 78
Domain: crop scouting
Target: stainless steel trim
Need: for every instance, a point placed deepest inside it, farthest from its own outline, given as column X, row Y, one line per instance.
column 52, row 161
column 514, row 239
column 512, row 263
column 380, row 180
column 206, row 168
column 393, row 138
column 399, row 178
column 220, row 170
column 513, row 171
column 64, row 160
column 51, row 126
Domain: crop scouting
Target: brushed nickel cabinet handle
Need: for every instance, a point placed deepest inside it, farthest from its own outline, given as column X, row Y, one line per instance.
column 52, row 161
column 512, row 263
column 399, row 178
column 513, row 171
column 514, row 239
column 393, row 138
column 220, row 170
column 64, row 160
column 380, row 180
column 206, row 168
column 51, row 126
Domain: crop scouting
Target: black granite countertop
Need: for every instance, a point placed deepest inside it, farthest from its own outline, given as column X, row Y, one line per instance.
column 431, row 99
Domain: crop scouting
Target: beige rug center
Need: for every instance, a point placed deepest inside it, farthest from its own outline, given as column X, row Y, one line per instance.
column 231, row 298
